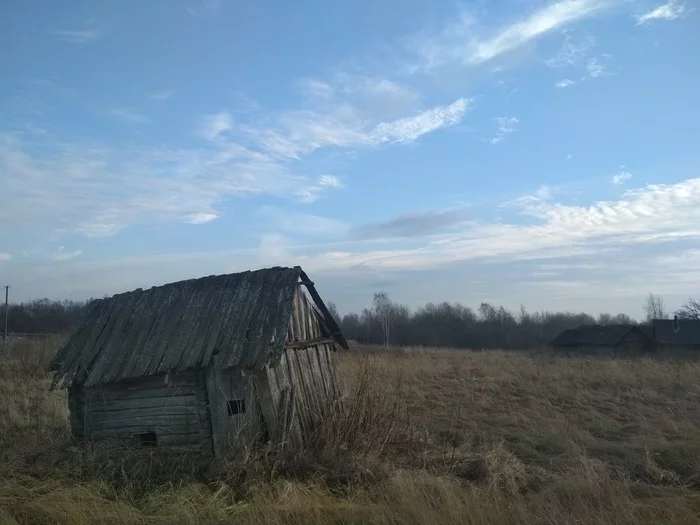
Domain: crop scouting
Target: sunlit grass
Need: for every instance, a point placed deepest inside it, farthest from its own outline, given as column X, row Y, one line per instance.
column 430, row 436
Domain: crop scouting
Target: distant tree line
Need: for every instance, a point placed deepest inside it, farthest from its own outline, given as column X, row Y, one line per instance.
column 42, row 316
column 490, row 326
column 387, row 322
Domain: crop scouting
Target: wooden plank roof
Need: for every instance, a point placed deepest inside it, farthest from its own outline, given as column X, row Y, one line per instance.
column 597, row 335
column 243, row 317
column 685, row 332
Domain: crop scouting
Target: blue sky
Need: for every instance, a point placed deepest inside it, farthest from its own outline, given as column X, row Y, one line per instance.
column 510, row 151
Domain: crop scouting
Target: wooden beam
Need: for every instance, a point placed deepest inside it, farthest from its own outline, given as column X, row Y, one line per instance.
column 334, row 328
column 310, row 342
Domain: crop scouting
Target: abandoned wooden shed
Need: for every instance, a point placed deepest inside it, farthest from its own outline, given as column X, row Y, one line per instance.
column 203, row 362
column 603, row 340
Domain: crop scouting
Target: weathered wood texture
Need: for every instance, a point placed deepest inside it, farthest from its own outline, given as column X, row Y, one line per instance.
column 205, row 362
column 303, row 388
column 228, row 391
column 242, row 317
column 176, row 411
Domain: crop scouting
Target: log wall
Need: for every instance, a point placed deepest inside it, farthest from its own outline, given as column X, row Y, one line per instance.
column 176, row 412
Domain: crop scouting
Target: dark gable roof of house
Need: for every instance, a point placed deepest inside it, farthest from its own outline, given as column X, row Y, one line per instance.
column 593, row 335
column 688, row 332
column 242, row 316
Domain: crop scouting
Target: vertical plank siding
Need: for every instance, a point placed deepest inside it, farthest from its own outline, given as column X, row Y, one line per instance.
column 304, row 374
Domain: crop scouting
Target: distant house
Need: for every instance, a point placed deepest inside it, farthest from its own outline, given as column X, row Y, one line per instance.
column 676, row 336
column 602, row 340
column 199, row 363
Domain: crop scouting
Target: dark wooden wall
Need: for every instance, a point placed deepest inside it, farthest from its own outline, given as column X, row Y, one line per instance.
column 242, row 425
column 176, row 412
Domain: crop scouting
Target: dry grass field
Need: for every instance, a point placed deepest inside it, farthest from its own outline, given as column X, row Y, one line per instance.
column 431, row 436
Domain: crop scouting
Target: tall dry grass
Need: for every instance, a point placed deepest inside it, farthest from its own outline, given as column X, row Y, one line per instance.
column 429, row 436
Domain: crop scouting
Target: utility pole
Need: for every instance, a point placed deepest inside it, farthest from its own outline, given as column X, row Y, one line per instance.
column 7, row 310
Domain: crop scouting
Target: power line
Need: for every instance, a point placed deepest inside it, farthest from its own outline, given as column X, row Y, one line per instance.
column 7, row 310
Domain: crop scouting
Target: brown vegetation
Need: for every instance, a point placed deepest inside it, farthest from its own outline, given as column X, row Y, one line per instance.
column 430, row 436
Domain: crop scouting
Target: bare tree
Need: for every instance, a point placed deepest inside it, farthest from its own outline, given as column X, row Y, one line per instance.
column 690, row 310
column 384, row 309
column 654, row 307
column 333, row 310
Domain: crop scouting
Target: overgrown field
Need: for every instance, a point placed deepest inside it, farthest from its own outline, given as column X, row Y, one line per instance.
column 432, row 436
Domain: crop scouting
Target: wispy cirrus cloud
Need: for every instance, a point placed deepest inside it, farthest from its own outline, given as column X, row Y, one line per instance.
column 201, row 217
column 621, row 177
column 79, row 36
column 98, row 189
column 62, row 255
column 575, row 54
column 505, row 126
column 301, row 132
column 669, row 11
column 565, row 83
column 572, row 52
column 595, row 68
column 648, row 215
column 213, row 126
column 459, row 42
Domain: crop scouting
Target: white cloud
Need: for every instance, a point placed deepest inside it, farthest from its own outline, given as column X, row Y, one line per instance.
column 621, row 177
column 5, row 256
column 457, row 42
column 409, row 129
column 316, row 89
column 62, row 255
column 669, row 11
column 79, row 36
column 215, row 125
column 506, row 126
column 161, row 96
column 96, row 189
column 302, row 132
column 571, row 52
column 650, row 214
column 374, row 92
column 200, row 218
column 565, row 83
column 311, row 192
column 595, row 68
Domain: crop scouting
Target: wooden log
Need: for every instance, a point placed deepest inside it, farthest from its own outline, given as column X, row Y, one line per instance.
column 111, row 405
column 139, row 426
column 144, row 415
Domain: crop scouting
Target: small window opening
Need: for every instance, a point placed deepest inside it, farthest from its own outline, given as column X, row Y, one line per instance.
column 236, row 406
column 147, row 439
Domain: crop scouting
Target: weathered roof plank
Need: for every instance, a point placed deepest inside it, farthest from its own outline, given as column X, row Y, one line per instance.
column 180, row 325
